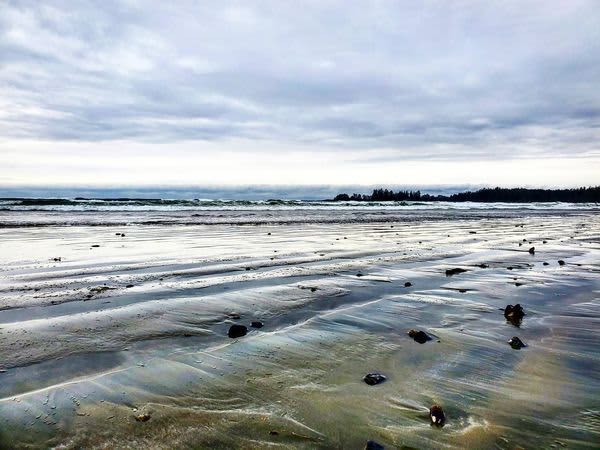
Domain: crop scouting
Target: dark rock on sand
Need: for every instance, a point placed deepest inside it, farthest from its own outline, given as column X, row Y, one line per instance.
column 359, row 274
column 483, row 266
column 454, row 271
column 437, row 416
column 419, row 336
column 514, row 314
column 256, row 324
column 59, row 259
column 129, row 286
column 374, row 378
column 95, row 246
column 142, row 418
column 545, row 263
column 236, row 331
column 372, row 445
column 516, row 343
column 561, row 262
column 532, row 250
column 408, row 284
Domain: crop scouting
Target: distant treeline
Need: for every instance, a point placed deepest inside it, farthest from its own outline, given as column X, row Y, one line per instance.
column 514, row 195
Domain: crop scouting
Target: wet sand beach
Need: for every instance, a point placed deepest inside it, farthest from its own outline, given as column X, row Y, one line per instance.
column 121, row 341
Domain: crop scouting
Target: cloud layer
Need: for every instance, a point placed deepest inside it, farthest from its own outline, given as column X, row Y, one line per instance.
column 383, row 81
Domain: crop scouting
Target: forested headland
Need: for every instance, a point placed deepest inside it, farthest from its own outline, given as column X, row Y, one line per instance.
column 507, row 195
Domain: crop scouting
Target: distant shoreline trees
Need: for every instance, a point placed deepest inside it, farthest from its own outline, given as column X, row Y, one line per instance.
column 486, row 195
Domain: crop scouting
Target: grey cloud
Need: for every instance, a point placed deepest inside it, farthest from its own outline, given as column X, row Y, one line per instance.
column 427, row 81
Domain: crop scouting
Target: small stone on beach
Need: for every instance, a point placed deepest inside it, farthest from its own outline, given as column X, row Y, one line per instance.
column 532, row 250
column 374, row 378
column 454, row 271
column 408, row 284
column 419, row 336
column 561, row 262
column 236, row 331
column 256, row 324
column 516, row 343
column 514, row 314
column 436, row 415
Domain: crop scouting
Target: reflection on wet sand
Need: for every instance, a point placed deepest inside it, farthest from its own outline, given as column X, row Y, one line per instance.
column 126, row 344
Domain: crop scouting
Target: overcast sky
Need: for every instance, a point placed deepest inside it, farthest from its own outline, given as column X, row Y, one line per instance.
column 296, row 93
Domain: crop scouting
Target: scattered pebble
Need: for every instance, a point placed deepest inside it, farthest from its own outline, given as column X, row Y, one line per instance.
column 372, row 445
column 514, row 314
column 236, row 331
column 142, row 418
column 256, row 324
column 374, row 378
column 454, row 271
column 516, row 343
column 436, row 415
column 408, row 284
column 561, row 262
column 419, row 336
column 532, row 250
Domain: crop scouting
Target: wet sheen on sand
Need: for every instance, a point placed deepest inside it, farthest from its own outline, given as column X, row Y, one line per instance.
column 139, row 326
